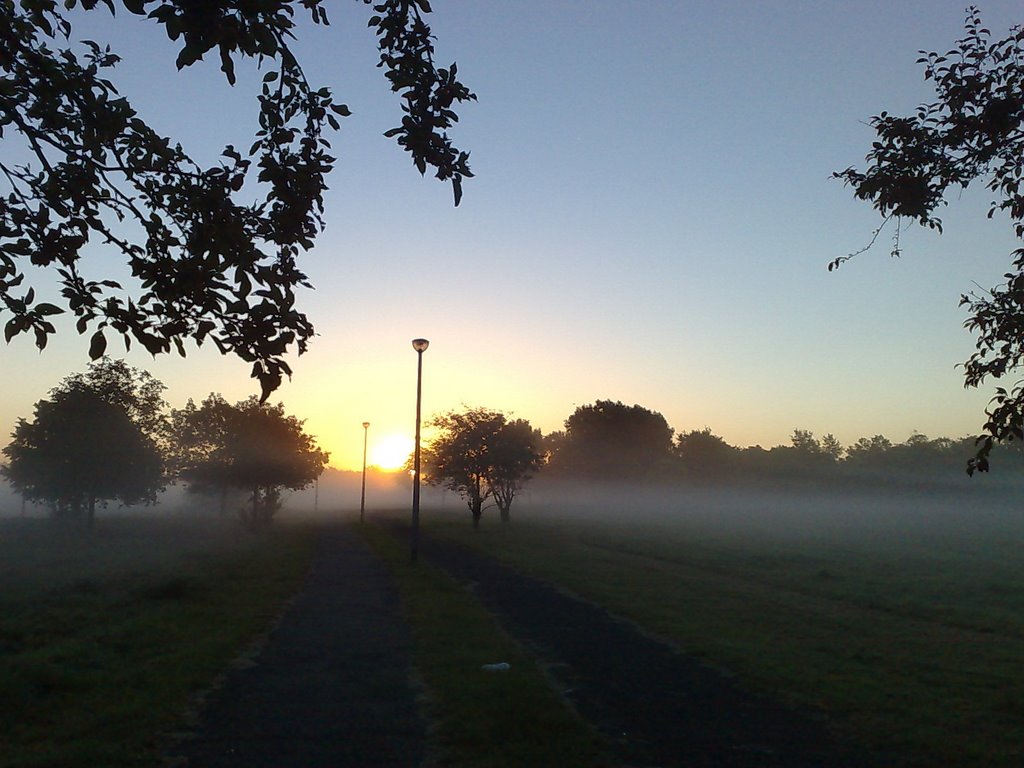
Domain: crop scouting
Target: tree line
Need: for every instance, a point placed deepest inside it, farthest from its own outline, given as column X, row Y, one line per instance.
column 485, row 456
column 613, row 440
column 107, row 435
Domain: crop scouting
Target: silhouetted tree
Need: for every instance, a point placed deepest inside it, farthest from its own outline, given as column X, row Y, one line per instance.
column 457, row 457
column 478, row 454
column 705, row 454
column 93, row 441
column 135, row 390
column 515, row 454
column 207, row 262
column 869, row 453
column 612, row 440
column 973, row 131
column 808, row 448
column 200, row 445
column 251, row 446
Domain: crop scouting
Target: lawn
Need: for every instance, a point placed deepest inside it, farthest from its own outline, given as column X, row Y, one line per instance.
column 481, row 719
column 106, row 639
column 908, row 634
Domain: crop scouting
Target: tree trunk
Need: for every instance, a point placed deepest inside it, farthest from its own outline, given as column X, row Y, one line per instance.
column 255, row 506
column 477, row 503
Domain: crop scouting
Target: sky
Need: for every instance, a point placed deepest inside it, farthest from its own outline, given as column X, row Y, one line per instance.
column 650, row 221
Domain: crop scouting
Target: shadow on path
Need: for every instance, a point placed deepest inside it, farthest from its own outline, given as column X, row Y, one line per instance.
column 331, row 686
column 658, row 707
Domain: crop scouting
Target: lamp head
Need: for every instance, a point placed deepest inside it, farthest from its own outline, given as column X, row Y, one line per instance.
column 366, row 424
column 420, row 345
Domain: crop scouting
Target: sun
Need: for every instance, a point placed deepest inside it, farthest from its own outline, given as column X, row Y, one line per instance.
column 390, row 452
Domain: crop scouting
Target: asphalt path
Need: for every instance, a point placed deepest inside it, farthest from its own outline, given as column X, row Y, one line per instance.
column 332, row 684
column 657, row 706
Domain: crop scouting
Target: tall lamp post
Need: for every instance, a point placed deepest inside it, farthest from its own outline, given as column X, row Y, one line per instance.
column 362, row 496
column 420, row 345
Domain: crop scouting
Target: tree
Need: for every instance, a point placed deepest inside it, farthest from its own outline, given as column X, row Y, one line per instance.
column 870, row 452
column 705, row 453
column 205, row 264
column 478, row 453
column 199, row 453
column 251, row 446
column 974, row 131
column 612, row 440
column 93, row 441
column 135, row 390
column 515, row 454
column 827, row 450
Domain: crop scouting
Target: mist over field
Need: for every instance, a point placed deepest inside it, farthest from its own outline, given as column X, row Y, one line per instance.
column 824, row 588
column 973, row 507
column 787, row 512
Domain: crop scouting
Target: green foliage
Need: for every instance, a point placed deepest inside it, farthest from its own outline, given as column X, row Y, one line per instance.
column 251, row 446
column 94, row 440
column 205, row 264
column 612, row 440
column 973, row 131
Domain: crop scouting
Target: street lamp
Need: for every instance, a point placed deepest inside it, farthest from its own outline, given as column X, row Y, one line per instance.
column 362, row 497
column 420, row 345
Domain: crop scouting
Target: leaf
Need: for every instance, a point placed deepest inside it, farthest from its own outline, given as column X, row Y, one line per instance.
column 97, row 345
column 226, row 64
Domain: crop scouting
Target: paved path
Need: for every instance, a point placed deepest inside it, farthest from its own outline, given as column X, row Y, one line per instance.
column 331, row 687
column 657, row 706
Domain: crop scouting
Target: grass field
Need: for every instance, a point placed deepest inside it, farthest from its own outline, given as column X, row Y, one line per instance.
column 481, row 719
column 908, row 633
column 104, row 639
column 907, row 630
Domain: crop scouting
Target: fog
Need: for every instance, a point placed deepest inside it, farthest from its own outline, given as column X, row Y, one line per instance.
column 779, row 512
column 975, row 509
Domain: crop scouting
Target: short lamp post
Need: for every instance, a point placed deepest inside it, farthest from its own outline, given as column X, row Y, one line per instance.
column 362, row 496
column 420, row 345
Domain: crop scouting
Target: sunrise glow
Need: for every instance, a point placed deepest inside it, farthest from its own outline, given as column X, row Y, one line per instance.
column 390, row 452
